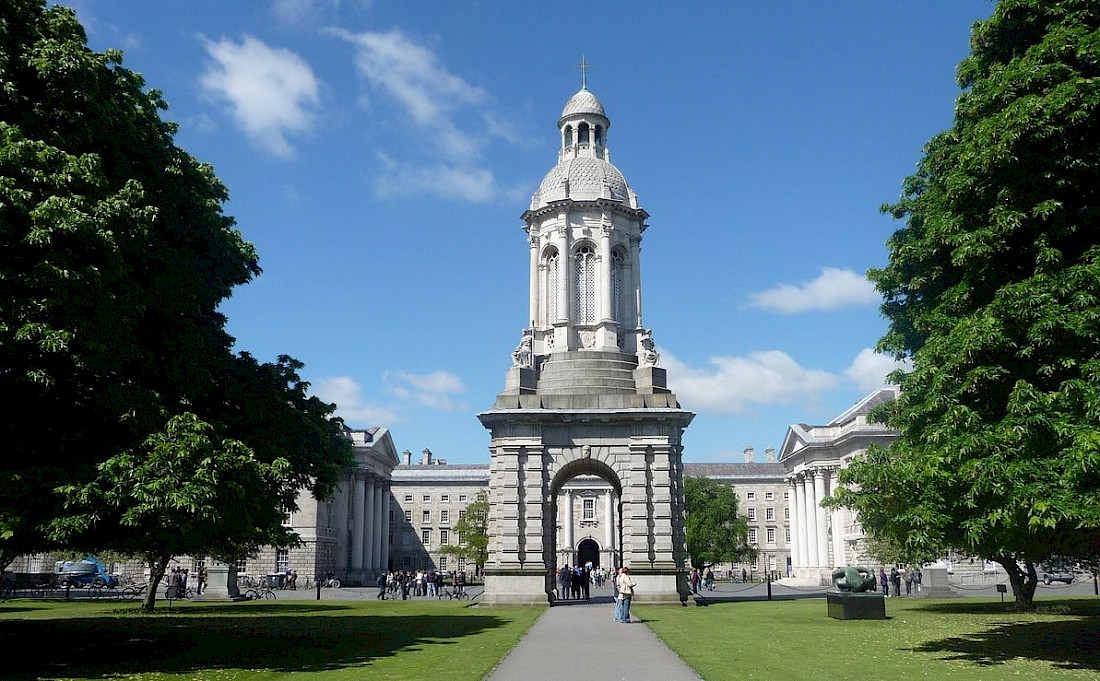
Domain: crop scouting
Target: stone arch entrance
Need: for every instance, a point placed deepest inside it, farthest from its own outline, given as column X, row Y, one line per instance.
column 588, row 551
column 537, row 451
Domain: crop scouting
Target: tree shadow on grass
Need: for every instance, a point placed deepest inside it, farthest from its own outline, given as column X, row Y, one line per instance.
column 102, row 646
column 1065, row 643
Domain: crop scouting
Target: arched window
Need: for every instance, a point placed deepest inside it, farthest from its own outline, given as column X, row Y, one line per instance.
column 552, row 279
column 617, row 286
column 599, row 135
column 568, row 136
column 585, row 285
column 582, row 133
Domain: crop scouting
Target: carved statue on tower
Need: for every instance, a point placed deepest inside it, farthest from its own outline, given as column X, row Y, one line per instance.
column 522, row 356
column 648, row 355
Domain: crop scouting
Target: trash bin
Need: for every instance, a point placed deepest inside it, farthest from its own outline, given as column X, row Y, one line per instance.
column 275, row 581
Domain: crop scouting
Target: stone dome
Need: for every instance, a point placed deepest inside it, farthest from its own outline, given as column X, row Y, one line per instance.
column 584, row 102
column 588, row 179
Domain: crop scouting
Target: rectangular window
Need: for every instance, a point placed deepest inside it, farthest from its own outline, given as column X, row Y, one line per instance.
column 406, row 562
column 425, row 516
column 786, row 496
column 425, row 563
column 427, row 498
column 408, row 516
column 445, row 498
column 444, row 537
column 589, row 509
column 443, row 563
column 408, row 497
column 242, row 566
column 787, row 536
column 444, row 516
column 462, row 514
column 426, row 538
column 769, row 513
column 752, row 535
column 752, row 512
column 750, row 496
column 462, row 497
column 768, row 496
column 787, row 513
column 771, row 535
column 282, row 560
column 286, row 514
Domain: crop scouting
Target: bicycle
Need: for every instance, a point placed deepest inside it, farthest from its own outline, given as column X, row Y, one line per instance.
column 263, row 592
column 331, row 583
column 453, row 594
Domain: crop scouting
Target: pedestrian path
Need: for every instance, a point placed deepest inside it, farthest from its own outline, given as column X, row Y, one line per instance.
column 580, row 640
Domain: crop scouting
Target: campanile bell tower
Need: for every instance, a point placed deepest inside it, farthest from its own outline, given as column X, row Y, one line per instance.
column 585, row 395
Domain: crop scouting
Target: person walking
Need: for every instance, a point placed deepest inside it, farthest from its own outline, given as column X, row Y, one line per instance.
column 908, row 582
column 564, row 579
column 626, row 592
column 695, row 581
column 586, row 583
column 381, row 584
column 895, row 581
column 884, row 582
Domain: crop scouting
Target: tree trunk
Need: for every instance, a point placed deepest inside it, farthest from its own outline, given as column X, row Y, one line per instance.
column 158, row 565
column 1023, row 580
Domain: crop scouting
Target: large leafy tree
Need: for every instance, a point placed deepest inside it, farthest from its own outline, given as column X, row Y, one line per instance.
column 114, row 257
column 472, row 529
column 993, row 291
column 715, row 532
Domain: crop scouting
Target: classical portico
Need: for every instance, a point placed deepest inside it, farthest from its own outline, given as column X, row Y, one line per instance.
column 361, row 509
column 823, row 538
column 585, row 395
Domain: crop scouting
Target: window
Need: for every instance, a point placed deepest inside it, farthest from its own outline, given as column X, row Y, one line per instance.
column 392, row 513
column 406, row 562
column 242, row 566
column 769, row 513
column 787, row 513
column 444, row 516
column 445, row 498
column 750, row 496
column 589, row 506
column 582, row 133
column 752, row 535
column 408, row 516
column 426, row 537
column 286, row 514
column 768, row 496
column 462, row 497
column 408, row 497
column 787, row 536
column 584, row 288
column 282, row 560
column 443, row 563
column 427, row 498
column 462, row 514
column 444, row 537
column 569, row 135
column 425, row 516
column 752, row 512
column 771, row 535
column 786, row 496
column 617, row 287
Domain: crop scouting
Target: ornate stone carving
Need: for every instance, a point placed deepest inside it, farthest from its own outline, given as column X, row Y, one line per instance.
column 588, row 339
column 586, row 451
column 648, row 355
column 522, row 355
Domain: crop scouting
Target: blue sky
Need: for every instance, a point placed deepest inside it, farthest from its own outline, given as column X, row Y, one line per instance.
column 380, row 153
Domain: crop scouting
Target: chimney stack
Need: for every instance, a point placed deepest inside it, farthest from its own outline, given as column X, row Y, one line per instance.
column 750, row 454
column 769, row 454
column 426, row 457
column 408, row 457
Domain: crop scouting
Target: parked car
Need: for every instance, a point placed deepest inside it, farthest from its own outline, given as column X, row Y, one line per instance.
column 87, row 572
column 1056, row 573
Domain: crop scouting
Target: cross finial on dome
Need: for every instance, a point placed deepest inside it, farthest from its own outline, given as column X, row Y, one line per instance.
column 584, row 66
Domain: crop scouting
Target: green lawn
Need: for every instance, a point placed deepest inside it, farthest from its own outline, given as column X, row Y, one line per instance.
column 945, row 639
column 259, row 640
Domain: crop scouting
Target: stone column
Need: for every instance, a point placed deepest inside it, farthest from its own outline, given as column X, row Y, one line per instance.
column 567, row 527
column 385, row 539
column 661, row 515
column 358, row 499
column 636, row 287
column 822, row 516
column 810, row 526
column 605, row 273
column 565, row 275
column 340, row 500
column 792, row 504
column 609, row 529
column 534, row 295
column 801, row 539
column 379, row 536
column 369, row 521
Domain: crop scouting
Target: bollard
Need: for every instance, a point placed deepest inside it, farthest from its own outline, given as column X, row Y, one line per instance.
column 318, row 588
column 769, row 586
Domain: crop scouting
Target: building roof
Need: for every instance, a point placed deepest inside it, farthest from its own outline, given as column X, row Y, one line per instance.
column 584, row 178
column 736, row 471
column 440, row 473
column 584, row 102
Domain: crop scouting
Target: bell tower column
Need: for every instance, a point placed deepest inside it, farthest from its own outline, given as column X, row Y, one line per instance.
column 561, row 324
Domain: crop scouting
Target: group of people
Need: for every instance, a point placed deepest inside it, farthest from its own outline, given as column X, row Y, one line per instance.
column 576, row 583
column 896, row 578
column 407, row 583
column 704, row 578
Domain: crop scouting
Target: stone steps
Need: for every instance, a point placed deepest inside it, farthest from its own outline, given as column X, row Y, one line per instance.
column 587, row 373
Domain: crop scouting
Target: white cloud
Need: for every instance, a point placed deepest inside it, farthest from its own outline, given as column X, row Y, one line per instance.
column 348, row 397
column 869, row 369
column 434, row 390
column 834, row 288
column 270, row 92
column 732, row 385
column 447, row 115
column 293, row 11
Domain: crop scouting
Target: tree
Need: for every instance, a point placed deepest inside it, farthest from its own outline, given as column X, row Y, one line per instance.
column 115, row 257
column 993, row 292
column 472, row 530
column 715, row 532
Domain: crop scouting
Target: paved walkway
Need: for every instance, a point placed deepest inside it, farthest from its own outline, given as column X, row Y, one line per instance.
column 580, row 640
